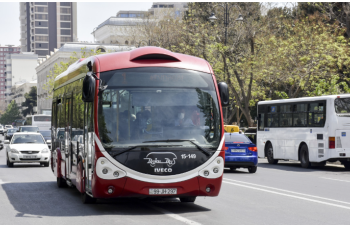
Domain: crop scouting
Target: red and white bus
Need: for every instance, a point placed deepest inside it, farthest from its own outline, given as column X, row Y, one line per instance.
column 146, row 122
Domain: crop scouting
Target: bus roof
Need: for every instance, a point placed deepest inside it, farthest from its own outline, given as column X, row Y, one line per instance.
column 303, row 99
column 139, row 57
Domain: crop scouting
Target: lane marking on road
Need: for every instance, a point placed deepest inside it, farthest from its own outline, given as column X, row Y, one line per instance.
column 292, row 192
column 288, row 195
column 173, row 215
column 335, row 179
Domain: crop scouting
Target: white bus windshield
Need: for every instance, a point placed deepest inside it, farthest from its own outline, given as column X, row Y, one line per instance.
column 146, row 104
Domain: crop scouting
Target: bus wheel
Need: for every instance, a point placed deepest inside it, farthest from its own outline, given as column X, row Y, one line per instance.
column 188, row 199
column 252, row 169
column 86, row 199
column 61, row 183
column 304, row 157
column 346, row 165
column 270, row 158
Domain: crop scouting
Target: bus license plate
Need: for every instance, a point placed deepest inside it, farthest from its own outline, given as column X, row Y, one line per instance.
column 237, row 150
column 29, row 156
column 163, row 191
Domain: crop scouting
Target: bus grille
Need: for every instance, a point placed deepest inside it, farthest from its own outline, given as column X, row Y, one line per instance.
column 338, row 142
column 321, row 151
column 320, row 145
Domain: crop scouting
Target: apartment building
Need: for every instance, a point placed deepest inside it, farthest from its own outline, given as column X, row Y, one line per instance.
column 47, row 25
column 20, row 68
column 4, row 51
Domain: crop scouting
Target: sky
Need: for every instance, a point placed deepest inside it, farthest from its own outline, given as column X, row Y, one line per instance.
column 90, row 15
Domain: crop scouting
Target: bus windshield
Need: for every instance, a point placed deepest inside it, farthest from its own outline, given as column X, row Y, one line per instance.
column 156, row 103
column 342, row 105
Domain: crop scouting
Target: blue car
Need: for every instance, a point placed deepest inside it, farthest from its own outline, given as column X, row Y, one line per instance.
column 241, row 152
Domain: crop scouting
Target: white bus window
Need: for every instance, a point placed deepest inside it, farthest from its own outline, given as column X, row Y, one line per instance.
column 300, row 115
column 261, row 121
column 316, row 114
column 286, row 116
column 272, row 116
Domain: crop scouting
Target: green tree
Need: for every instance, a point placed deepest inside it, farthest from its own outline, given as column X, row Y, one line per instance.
column 30, row 102
column 11, row 114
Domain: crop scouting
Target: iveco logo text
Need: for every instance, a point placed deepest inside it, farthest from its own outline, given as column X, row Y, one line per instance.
column 163, row 170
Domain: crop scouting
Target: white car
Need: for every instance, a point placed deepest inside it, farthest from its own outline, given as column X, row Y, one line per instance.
column 28, row 147
column 1, row 130
column 7, row 127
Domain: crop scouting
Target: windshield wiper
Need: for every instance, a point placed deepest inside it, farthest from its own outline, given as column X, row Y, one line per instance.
column 206, row 152
column 133, row 147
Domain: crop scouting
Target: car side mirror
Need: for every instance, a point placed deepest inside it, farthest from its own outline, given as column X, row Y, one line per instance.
column 224, row 94
column 89, row 85
column 48, row 142
column 7, row 142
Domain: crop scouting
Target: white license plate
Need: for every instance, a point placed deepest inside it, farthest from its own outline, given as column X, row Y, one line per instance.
column 237, row 150
column 163, row 191
column 29, row 156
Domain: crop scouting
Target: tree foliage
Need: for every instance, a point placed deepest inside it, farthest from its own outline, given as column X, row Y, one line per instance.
column 30, row 102
column 11, row 114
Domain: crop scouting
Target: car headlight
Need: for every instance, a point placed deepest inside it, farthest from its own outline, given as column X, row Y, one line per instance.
column 14, row 151
column 45, row 150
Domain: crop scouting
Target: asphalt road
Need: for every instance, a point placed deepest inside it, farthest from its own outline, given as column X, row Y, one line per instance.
column 277, row 194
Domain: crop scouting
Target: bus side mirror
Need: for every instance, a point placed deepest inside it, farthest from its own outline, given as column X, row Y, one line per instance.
column 224, row 95
column 89, row 84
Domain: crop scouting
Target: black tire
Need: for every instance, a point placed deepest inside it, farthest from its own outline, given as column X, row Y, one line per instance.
column 233, row 168
column 61, row 183
column 269, row 152
column 252, row 169
column 9, row 164
column 46, row 164
column 346, row 165
column 86, row 199
column 188, row 199
column 304, row 157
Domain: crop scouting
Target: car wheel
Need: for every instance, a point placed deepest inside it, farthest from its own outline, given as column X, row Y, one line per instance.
column 270, row 157
column 9, row 164
column 86, row 199
column 188, row 199
column 252, row 169
column 304, row 157
column 233, row 168
column 46, row 164
column 61, row 183
column 346, row 165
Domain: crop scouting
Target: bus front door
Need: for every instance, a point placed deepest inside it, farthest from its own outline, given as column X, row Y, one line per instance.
column 68, row 146
column 88, row 144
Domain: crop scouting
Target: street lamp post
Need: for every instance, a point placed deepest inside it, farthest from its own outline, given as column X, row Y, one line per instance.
column 213, row 18
column 226, row 8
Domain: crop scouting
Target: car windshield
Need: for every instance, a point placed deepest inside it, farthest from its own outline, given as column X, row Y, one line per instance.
column 29, row 129
column 145, row 104
column 342, row 105
column 11, row 130
column 236, row 138
column 45, row 133
column 27, row 139
column 7, row 126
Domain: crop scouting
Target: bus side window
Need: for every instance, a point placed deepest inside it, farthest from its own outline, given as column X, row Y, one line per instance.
column 261, row 121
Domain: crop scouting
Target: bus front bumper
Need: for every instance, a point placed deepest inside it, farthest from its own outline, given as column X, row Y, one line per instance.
column 129, row 187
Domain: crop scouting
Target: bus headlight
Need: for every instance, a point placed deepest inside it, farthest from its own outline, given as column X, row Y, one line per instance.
column 216, row 166
column 107, row 170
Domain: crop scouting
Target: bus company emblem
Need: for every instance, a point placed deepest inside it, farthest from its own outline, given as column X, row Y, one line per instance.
column 161, row 158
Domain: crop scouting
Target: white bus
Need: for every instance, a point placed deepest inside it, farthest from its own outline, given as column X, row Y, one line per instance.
column 312, row 130
column 39, row 120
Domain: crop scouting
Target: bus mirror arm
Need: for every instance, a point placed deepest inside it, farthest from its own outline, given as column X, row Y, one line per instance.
column 224, row 94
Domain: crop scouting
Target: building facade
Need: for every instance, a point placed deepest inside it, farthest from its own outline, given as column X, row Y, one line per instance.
column 19, row 90
column 4, row 51
column 121, row 28
column 63, row 54
column 20, row 68
column 47, row 25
